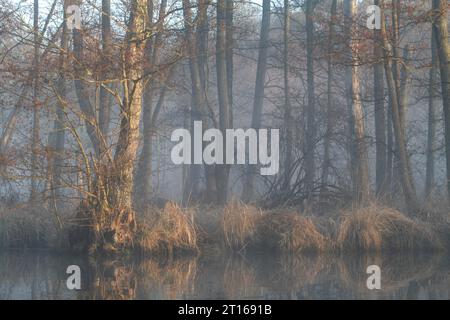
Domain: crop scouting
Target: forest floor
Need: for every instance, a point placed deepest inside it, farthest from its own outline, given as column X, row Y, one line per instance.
column 242, row 228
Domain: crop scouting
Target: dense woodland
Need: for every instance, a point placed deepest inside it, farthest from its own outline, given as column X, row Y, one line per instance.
column 87, row 112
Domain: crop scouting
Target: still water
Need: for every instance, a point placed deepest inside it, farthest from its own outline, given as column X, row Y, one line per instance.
column 41, row 275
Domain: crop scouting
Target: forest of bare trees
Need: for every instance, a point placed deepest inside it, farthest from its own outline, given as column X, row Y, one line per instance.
column 360, row 91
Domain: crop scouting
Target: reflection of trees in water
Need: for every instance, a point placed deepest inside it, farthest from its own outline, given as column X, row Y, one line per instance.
column 140, row 279
column 27, row 275
column 111, row 280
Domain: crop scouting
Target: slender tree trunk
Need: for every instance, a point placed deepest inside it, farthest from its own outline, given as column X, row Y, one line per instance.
column 390, row 151
column 36, row 108
column 59, row 123
column 441, row 30
column 358, row 148
column 431, row 135
column 199, row 104
column 288, row 121
column 310, row 110
column 330, row 97
column 229, row 55
column 380, row 116
column 407, row 185
column 212, row 177
column 82, row 91
column 143, row 174
column 223, row 93
column 8, row 130
column 105, row 96
column 258, row 101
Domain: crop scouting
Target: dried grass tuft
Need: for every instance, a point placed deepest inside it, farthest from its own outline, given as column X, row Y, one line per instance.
column 290, row 232
column 239, row 224
column 167, row 231
column 377, row 228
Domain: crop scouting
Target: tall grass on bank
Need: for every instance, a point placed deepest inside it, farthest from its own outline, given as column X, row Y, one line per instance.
column 239, row 223
column 25, row 228
column 290, row 232
column 245, row 226
column 238, row 227
column 377, row 228
column 167, row 231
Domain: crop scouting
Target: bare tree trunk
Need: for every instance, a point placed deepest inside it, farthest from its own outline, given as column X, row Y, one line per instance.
column 358, row 148
column 212, row 177
column 143, row 185
column 113, row 215
column 199, row 104
column 310, row 110
column 248, row 186
column 287, row 103
column 131, row 108
column 8, row 130
column 82, row 91
column 380, row 116
column 431, row 135
column 105, row 96
column 409, row 192
column 390, row 151
column 12, row 121
column 223, row 93
column 441, row 30
column 59, row 126
column 330, row 96
column 36, row 108
column 229, row 55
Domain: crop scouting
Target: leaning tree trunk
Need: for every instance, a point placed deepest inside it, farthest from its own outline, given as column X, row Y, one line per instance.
column 409, row 192
column 441, row 31
column 59, row 123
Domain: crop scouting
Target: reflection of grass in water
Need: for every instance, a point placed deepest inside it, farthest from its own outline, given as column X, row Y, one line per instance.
column 289, row 273
column 397, row 271
column 239, row 279
column 173, row 279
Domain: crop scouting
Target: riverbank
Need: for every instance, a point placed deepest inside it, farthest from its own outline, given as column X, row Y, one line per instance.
column 243, row 228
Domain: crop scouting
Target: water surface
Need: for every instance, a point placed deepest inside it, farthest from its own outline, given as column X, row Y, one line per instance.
column 42, row 275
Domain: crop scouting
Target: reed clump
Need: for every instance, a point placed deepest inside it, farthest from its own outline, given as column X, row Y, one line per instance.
column 24, row 228
column 378, row 228
column 239, row 225
column 290, row 232
column 167, row 231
